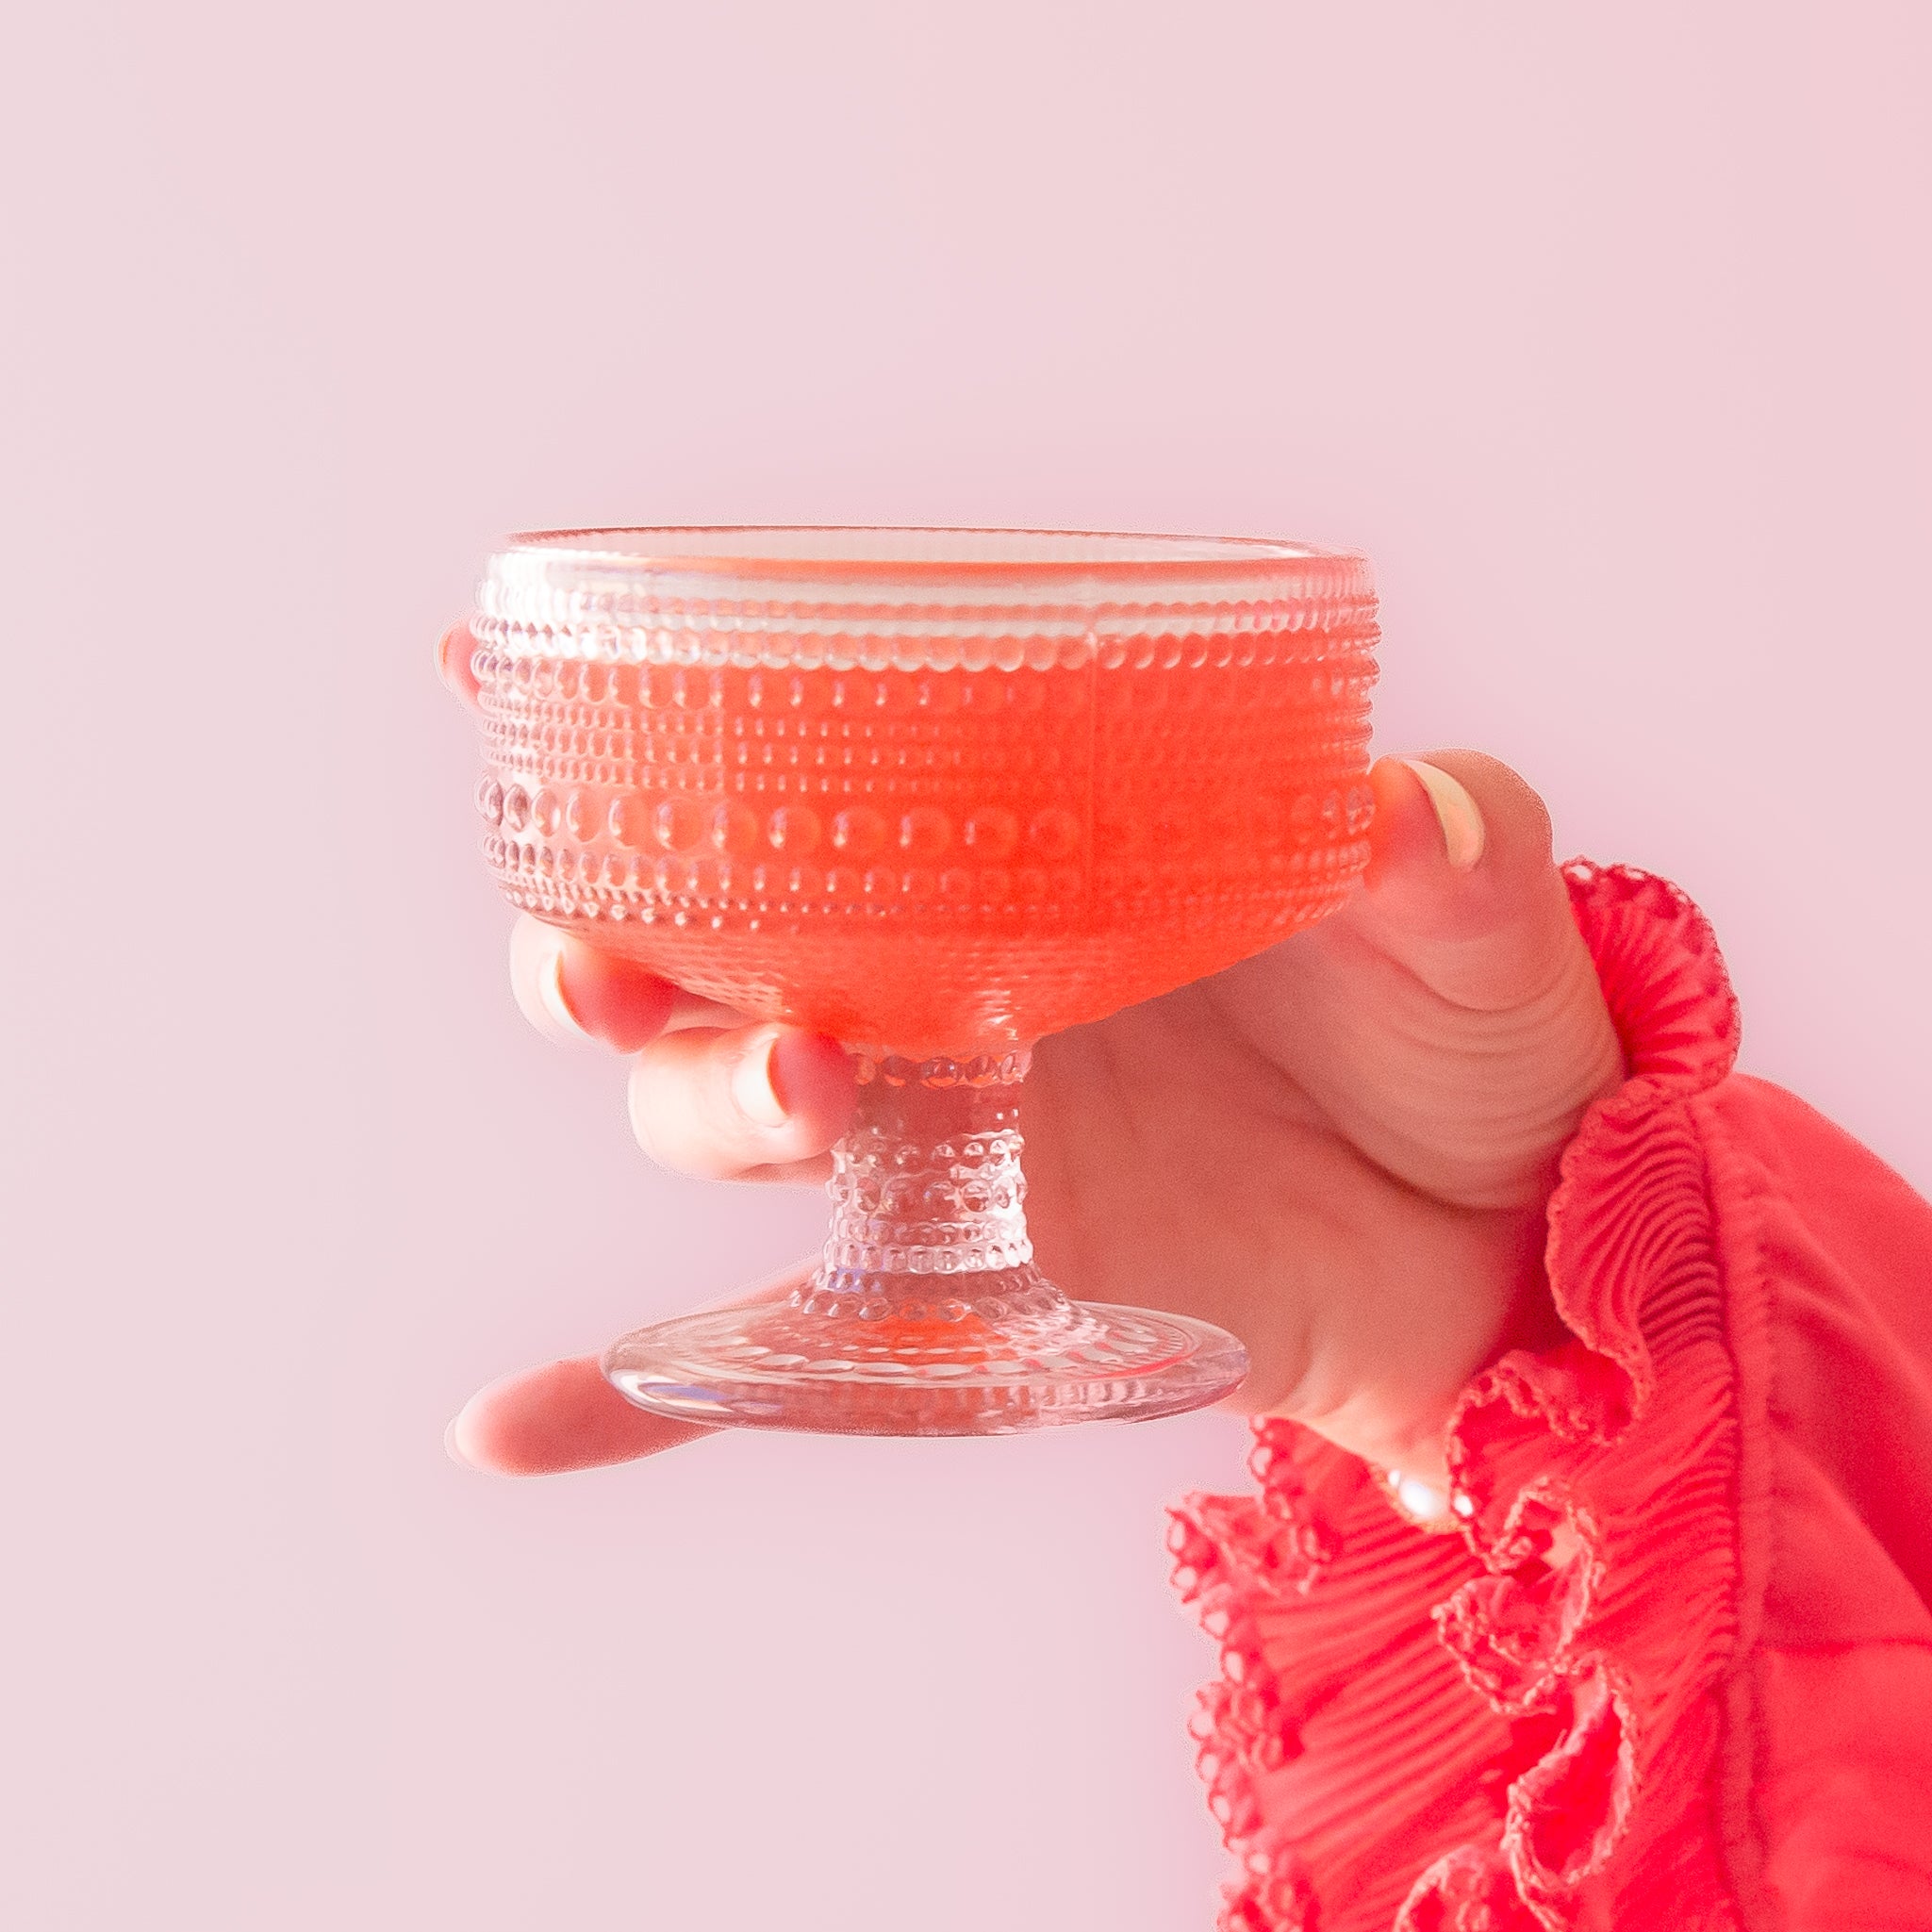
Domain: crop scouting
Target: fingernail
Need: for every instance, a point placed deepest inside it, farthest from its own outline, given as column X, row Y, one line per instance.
column 1456, row 813
column 755, row 1083
column 556, row 1007
column 451, row 1447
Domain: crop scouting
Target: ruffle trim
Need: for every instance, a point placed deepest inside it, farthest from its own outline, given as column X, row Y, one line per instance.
column 1677, row 1016
column 1573, row 1529
column 1663, row 977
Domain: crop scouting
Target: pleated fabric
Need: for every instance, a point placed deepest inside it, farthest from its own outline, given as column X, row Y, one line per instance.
column 1670, row 1661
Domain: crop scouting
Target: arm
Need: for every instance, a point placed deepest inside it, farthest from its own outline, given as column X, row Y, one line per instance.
column 1667, row 1653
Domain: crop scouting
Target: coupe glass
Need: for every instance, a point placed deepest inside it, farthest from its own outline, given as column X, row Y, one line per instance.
column 937, row 794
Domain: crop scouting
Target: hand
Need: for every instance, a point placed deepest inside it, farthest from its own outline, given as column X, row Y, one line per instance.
column 1340, row 1150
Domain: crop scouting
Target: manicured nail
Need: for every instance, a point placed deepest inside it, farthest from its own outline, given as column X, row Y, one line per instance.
column 537, row 980
column 557, row 1006
column 755, row 1083
column 451, row 1447
column 1456, row 813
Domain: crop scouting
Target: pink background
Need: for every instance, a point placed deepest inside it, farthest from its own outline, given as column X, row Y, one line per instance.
column 1603, row 329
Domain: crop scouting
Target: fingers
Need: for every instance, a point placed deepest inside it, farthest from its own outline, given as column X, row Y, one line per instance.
column 454, row 650
column 570, row 991
column 712, row 1094
column 565, row 1415
column 735, row 1103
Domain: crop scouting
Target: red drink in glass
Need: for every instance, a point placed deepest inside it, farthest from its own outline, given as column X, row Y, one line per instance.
column 937, row 794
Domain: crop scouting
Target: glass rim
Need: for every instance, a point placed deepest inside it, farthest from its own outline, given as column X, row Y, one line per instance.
column 929, row 554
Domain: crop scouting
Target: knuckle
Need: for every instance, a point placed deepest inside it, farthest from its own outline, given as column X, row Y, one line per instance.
column 677, row 1121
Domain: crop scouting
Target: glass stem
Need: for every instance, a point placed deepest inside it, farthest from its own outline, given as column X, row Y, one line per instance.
column 928, row 1200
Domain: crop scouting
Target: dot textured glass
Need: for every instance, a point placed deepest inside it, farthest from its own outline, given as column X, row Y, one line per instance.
column 936, row 793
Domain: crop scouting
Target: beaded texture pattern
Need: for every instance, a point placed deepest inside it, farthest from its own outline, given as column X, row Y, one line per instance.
column 927, row 1315
column 1021, row 806
column 934, row 794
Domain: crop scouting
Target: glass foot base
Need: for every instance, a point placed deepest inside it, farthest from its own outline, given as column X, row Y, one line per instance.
column 941, row 1369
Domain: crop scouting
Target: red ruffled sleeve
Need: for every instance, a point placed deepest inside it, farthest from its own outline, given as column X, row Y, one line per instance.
column 1673, row 1664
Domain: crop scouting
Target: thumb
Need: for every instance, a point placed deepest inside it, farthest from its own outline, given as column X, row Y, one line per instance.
column 1447, row 1020
column 1461, row 888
